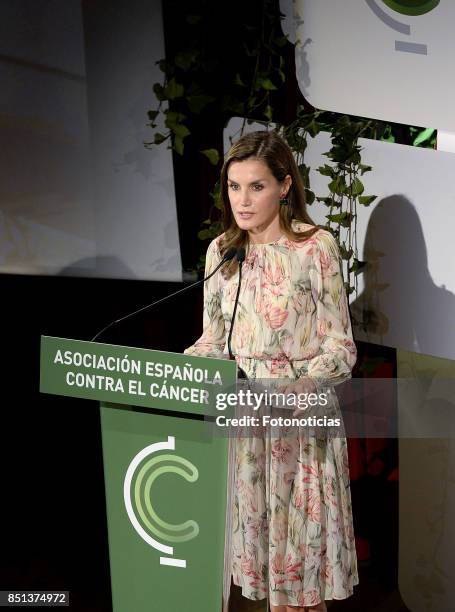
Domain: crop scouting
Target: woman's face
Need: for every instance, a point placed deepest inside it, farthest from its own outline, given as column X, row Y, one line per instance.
column 254, row 194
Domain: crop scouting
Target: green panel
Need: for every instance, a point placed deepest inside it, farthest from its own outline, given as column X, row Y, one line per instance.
column 134, row 376
column 178, row 498
column 412, row 7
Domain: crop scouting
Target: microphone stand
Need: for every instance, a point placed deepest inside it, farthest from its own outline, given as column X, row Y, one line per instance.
column 240, row 256
column 230, row 254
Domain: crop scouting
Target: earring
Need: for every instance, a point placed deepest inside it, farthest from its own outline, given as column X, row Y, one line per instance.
column 283, row 200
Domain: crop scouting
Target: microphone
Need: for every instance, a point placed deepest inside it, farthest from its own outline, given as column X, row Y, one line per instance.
column 230, row 254
column 240, row 258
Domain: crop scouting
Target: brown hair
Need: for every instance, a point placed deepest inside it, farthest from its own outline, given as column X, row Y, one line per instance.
column 270, row 148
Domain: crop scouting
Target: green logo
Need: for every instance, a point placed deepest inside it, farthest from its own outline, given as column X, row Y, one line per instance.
column 412, row 7
column 143, row 497
column 145, row 468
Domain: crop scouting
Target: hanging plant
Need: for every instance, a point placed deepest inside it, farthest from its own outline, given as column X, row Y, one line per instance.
column 253, row 91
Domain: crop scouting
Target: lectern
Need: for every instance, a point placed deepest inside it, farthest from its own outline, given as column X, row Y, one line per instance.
column 165, row 469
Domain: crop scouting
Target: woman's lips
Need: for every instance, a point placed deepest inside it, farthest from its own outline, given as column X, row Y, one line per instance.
column 245, row 215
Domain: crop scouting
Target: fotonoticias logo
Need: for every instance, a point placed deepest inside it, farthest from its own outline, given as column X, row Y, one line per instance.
column 413, row 8
column 148, row 465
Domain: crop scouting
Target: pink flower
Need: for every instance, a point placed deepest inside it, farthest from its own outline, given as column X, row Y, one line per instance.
column 322, row 327
column 326, row 572
column 310, row 474
column 274, row 274
column 314, row 510
column 289, row 477
column 300, row 301
column 248, row 567
column 278, row 365
column 285, row 569
column 326, row 262
column 331, row 493
column 308, row 598
column 309, row 501
column 279, row 531
column 276, row 316
column 254, row 527
column 281, row 451
column 277, row 566
column 292, row 566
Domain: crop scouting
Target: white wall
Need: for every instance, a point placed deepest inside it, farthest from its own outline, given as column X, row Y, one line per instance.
column 407, row 231
column 79, row 193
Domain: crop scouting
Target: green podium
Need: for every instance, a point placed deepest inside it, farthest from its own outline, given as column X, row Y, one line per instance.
column 166, row 474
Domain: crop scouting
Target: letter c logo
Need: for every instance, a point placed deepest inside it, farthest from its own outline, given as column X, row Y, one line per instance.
column 138, row 498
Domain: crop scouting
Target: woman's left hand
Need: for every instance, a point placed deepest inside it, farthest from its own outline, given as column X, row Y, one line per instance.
column 302, row 385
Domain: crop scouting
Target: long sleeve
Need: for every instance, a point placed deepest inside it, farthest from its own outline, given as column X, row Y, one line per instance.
column 212, row 341
column 338, row 353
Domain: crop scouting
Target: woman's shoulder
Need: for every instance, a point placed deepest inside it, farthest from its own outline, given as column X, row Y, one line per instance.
column 322, row 236
column 214, row 248
column 321, row 243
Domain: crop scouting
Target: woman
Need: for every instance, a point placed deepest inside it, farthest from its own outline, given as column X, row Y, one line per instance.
column 292, row 538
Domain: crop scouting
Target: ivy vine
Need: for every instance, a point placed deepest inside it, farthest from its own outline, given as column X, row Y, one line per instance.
column 186, row 95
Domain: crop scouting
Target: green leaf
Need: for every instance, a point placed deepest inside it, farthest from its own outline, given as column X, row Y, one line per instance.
column 159, row 138
column 174, row 90
column 216, row 190
column 364, row 168
column 345, row 253
column 159, row 92
column 326, row 201
column 424, row 135
column 238, row 80
column 165, row 67
column 280, row 41
column 185, row 59
column 313, row 129
column 173, row 119
column 357, row 266
column 387, row 135
column 326, row 170
column 338, row 153
column 197, row 103
column 343, row 218
column 204, row 234
column 268, row 112
column 357, row 187
column 212, row 155
column 266, row 84
column 178, row 145
column 337, row 185
column 366, row 200
column 181, row 130
column 309, row 196
column 304, row 172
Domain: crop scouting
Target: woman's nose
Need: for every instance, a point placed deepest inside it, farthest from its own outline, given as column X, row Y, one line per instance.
column 245, row 201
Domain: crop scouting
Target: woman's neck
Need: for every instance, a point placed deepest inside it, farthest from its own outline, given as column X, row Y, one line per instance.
column 271, row 233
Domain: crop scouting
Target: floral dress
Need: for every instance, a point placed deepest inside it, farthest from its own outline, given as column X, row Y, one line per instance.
column 292, row 532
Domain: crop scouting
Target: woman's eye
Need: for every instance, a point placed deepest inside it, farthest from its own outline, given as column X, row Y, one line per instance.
column 255, row 187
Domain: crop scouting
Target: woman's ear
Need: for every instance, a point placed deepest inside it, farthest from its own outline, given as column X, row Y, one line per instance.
column 287, row 182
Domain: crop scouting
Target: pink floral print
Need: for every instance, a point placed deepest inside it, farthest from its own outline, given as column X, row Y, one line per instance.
column 293, row 537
